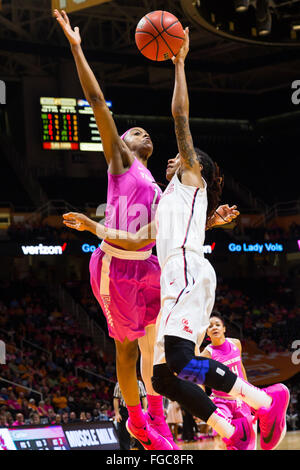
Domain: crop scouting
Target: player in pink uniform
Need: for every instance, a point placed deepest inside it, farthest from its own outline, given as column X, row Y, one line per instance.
column 125, row 283
column 228, row 352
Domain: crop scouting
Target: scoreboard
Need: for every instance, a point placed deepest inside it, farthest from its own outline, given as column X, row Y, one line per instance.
column 69, row 124
column 100, row 435
column 46, row 438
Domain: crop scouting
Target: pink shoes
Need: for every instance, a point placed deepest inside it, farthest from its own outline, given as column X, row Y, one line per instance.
column 160, row 425
column 243, row 436
column 272, row 420
column 148, row 437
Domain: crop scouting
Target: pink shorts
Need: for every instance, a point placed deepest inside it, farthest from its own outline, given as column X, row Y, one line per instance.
column 128, row 290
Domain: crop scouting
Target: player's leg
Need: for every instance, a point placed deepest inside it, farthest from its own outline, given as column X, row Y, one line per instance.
column 270, row 403
column 126, row 359
column 155, row 412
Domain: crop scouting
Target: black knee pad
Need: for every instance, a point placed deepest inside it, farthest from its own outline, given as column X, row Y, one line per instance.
column 179, row 352
column 164, row 382
column 180, row 357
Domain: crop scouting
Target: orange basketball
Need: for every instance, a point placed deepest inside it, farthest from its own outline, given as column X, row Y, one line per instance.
column 159, row 35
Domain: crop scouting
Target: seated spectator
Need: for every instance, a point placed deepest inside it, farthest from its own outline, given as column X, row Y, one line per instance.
column 32, row 406
column 42, row 410
column 20, row 421
column 60, row 402
column 72, row 417
column 3, row 420
column 51, row 416
column 57, row 419
column 65, row 418
column 35, row 418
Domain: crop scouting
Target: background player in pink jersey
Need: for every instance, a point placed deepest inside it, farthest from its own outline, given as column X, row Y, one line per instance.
column 126, row 284
column 227, row 351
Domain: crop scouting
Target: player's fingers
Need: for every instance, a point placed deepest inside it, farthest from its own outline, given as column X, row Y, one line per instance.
column 69, row 224
column 65, row 16
column 70, row 215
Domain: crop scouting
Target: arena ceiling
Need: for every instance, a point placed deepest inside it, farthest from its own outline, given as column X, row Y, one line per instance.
column 33, row 45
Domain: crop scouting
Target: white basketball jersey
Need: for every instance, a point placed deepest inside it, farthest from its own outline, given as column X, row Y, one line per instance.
column 180, row 219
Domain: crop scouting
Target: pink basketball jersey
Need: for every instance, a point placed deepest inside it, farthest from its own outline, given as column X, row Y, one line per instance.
column 132, row 199
column 229, row 355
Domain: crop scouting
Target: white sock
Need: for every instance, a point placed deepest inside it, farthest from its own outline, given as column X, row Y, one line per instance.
column 221, row 424
column 254, row 397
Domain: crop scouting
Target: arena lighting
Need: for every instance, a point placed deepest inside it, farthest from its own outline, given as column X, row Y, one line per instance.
column 296, row 25
column 263, row 17
column 241, row 5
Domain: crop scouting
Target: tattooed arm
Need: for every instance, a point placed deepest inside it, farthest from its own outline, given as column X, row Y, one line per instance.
column 191, row 169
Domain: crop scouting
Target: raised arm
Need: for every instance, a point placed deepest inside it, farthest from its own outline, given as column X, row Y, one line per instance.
column 116, row 152
column 180, row 113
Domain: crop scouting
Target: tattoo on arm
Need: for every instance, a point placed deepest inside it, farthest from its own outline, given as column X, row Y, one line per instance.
column 184, row 140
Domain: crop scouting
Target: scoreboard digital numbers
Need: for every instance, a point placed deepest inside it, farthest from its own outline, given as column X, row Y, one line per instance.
column 69, row 124
column 46, row 438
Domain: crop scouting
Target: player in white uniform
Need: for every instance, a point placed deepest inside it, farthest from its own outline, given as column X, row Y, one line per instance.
column 188, row 285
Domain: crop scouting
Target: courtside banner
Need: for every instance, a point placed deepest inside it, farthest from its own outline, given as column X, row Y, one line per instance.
column 210, row 248
column 75, row 5
column 272, row 367
column 92, row 436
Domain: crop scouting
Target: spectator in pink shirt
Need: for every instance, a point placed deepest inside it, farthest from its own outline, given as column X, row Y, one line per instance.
column 12, row 402
column 19, row 420
column 42, row 410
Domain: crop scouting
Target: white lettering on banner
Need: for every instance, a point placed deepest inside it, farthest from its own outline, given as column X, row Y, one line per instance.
column 296, row 354
column 295, row 94
column 106, row 436
column 82, row 438
column 43, row 249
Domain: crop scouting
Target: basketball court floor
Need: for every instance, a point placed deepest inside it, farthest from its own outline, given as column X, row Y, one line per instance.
column 291, row 441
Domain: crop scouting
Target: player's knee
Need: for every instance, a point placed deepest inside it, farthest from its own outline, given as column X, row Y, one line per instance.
column 164, row 382
column 178, row 352
column 127, row 354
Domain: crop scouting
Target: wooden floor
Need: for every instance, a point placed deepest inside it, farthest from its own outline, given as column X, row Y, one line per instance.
column 291, row 441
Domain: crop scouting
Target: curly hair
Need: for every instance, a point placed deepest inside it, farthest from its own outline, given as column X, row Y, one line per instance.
column 214, row 181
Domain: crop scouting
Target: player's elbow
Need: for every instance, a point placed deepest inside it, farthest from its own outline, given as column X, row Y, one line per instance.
column 96, row 100
column 179, row 112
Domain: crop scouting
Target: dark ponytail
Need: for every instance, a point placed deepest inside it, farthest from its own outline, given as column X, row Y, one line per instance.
column 214, row 181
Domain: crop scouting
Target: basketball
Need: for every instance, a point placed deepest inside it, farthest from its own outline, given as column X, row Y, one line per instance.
column 159, row 35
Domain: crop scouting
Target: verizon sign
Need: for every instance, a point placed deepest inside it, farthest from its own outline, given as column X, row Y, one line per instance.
column 75, row 5
column 43, row 249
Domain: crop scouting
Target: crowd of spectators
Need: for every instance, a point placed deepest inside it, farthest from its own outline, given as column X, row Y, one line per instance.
column 267, row 312
column 38, row 231
column 48, row 353
column 271, row 233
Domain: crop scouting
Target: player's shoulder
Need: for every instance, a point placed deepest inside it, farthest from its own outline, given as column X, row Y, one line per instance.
column 236, row 342
column 207, row 351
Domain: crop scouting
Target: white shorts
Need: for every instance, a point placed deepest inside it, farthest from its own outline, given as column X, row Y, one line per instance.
column 188, row 285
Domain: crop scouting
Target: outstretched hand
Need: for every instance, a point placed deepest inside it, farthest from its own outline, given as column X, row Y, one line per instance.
column 76, row 221
column 224, row 215
column 72, row 35
column 183, row 51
